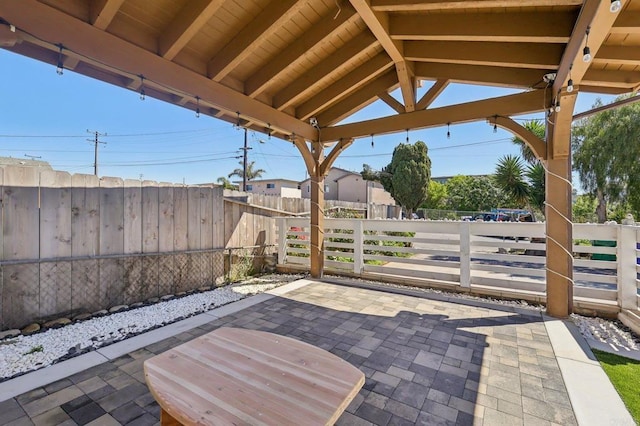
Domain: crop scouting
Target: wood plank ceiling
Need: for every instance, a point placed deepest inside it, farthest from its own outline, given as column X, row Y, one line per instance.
column 273, row 65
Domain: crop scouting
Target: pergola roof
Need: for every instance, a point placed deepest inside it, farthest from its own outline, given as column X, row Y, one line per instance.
column 273, row 65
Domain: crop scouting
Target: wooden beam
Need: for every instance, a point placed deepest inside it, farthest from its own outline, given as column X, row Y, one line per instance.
column 191, row 18
column 378, row 23
column 480, row 74
column 345, row 86
column 333, row 155
column 102, row 12
column 595, row 15
column 630, row 100
column 537, row 145
column 339, row 60
column 367, row 94
column 621, row 79
column 427, row 5
column 559, row 129
column 521, row 103
column 48, row 23
column 536, row 27
column 603, row 90
column 391, row 101
column 243, row 44
column 619, row 55
column 298, row 50
column 627, row 23
column 8, row 38
column 431, row 94
column 517, row 55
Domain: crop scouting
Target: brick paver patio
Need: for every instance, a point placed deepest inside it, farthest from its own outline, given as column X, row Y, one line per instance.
column 427, row 362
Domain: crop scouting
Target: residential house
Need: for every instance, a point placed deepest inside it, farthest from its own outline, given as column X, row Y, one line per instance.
column 280, row 187
column 344, row 185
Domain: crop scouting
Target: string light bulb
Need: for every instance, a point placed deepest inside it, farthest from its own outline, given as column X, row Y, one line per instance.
column 60, row 67
column 557, row 106
column 448, row 132
column 237, row 125
column 570, row 82
column 143, row 94
column 495, row 128
column 586, row 52
column 615, row 7
column 269, row 130
column 372, row 144
column 407, row 135
column 197, row 106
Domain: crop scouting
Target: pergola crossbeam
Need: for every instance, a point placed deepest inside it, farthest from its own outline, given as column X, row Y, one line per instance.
column 102, row 12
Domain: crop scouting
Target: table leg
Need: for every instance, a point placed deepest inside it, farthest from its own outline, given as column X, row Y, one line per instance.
column 167, row 419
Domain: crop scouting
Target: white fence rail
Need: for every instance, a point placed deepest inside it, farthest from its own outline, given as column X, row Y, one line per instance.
column 498, row 259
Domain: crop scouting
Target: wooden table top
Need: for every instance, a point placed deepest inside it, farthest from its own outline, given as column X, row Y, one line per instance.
column 236, row 376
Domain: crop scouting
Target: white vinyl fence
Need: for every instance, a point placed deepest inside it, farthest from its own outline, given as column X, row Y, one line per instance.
column 502, row 259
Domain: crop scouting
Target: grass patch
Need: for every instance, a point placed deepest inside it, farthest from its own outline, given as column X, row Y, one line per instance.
column 624, row 373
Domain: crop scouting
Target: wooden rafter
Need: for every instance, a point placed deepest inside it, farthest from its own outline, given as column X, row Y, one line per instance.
column 250, row 37
column 604, row 78
column 392, row 102
column 345, row 86
column 298, row 50
column 102, row 12
column 572, row 56
column 379, row 26
column 185, row 25
column 508, row 77
column 517, row 55
column 367, row 94
column 342, row 58
column 431, row 94
column 537, row 145
column 522, row 103
column 627, row 23
column 523, row 27
column 620, row 55
column 427, row 5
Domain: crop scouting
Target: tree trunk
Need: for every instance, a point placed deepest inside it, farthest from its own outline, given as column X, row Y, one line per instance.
column 601, row 209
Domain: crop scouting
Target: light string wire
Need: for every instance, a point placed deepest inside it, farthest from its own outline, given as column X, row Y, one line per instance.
column 120, row 70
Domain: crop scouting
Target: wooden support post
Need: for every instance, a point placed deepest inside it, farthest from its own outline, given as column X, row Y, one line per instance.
column 318, row 166
column 559, row 225
column 559, row 239
column 317, row 226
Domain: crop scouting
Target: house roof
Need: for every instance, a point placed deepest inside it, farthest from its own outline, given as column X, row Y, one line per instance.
column 281, row 66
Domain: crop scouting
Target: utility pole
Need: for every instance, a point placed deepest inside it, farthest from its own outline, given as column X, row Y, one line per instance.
column 96, row 142
column 244, row 162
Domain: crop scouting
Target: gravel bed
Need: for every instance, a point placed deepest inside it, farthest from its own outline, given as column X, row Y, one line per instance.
column 27, row 353
column 22, row 354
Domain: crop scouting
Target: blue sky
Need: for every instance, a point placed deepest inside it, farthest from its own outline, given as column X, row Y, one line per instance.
column 47, row 115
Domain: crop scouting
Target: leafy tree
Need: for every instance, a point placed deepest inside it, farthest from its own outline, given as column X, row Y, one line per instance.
column 226, row 184
column 251, row 172
column 473, row 193
column 606, row 149
column 436, row 196
column 584, row 209
column 368, row 173
column 407, row 176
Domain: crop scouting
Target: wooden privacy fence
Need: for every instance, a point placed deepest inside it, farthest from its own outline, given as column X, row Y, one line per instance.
column 71, row 243
column 75, row 242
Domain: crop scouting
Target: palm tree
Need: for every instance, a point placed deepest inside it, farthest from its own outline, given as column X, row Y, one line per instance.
column 510, row 177
column 250, row 172
column 538, row 129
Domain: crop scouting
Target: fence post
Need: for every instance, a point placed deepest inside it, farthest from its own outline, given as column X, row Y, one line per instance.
column 626, row 258
column 282, row 239
column 465, row 254
column 358, row 242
